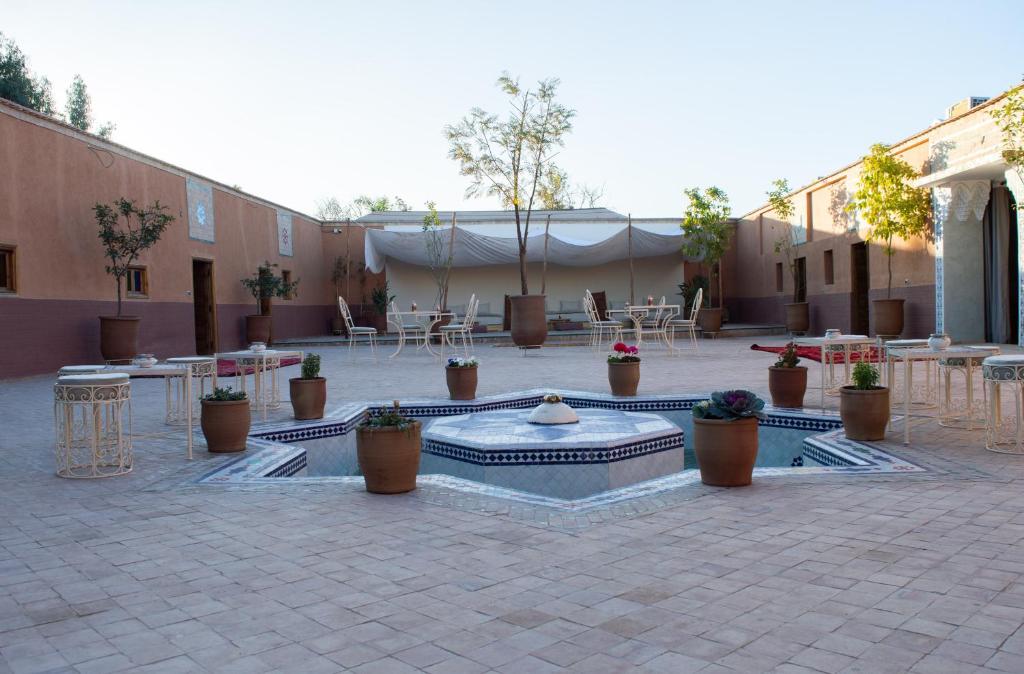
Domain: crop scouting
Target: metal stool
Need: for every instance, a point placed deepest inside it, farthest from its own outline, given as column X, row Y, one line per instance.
column 88, row 413
column 999, row 371
column 970, row 415
column 201, row 369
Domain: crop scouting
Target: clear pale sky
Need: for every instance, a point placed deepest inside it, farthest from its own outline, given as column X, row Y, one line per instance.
column 302, row 100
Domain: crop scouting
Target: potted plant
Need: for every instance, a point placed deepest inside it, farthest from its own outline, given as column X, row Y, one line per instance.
column 725, row 437
column 864, row 406
column 460, row 373
column 225, row 420
column 511, row 158
column 309, row 392
column 388, row 448
column 892, row 207
column 797, row 312
column 382, row 299
column 624, row 369
column 122, row 244
column 707, row 231
column 787, row 380
column 264, row 285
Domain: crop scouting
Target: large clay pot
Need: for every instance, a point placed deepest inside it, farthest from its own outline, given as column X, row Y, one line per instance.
column 257, row 329
column 529, row 322
column 797, row 317
column 389, row 457
column 119, row 337
column 225, row 425
column 726, row 451
column 710, row 320
column 787, row 385
column 888, row 317
column 461, row 382
column 624, row 378
column 309, row 396
column 337, row 325
column 865, row 414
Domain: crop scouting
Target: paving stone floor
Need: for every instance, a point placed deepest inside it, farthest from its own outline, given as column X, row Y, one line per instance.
column 151, row 573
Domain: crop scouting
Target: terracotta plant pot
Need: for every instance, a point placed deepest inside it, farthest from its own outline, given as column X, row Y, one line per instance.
column 225, row 425
column 257, row 329
column 787, row 385
column 888, row 317
column 119, row 337
column 529, row 322
column 624, row 378
column 726, row 451
column 444, row 320
column 798, row 317
column 337, row 325
column 461, row 382
column 389, row 458
column 308, row 397
column 710, row 320
column 865, row 414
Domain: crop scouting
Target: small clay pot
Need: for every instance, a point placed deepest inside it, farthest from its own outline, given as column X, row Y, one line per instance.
column 389, row 457
column 119, row 337
column 726, row 450
column 309, row 396
column 225, row 425
column 865, row 414
column 710, row 320
column 461, row 382
column 787, row 385
column 624, row 378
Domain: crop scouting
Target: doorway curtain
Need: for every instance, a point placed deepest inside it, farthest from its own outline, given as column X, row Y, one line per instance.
column 1000, row 269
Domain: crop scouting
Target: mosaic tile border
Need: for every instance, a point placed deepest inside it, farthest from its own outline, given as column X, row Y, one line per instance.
column 547, row 457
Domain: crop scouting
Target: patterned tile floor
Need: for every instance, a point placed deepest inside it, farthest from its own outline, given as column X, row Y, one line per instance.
column 152, row 572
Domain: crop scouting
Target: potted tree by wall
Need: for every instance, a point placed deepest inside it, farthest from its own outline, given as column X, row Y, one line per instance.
column 125, row 230
column 797, row 313
column 725, row 437
column 264, row 285
column 707, row 231
column 382, row 298
column 624, row 369
column 388, row 449
column 892, row 208
column 864, row 406
column 508, row 158
column 309, row 392
column 225, row 420
column 460, row 374
column 787, row 380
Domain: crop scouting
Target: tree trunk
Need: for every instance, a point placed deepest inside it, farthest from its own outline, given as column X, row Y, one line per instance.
column 119, row 297
column 522, row 253
column 888, row 254
column 721, row 293
column 544, row 269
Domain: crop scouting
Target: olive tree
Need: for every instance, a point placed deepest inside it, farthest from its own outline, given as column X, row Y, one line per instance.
column 778, row 199
column 126, row 230
column 508, row 157
column 706, row 229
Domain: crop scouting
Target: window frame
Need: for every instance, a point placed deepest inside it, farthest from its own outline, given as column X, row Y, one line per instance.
column 780, row 278
column 829, row 262
column 137, row 294
column 9, row 285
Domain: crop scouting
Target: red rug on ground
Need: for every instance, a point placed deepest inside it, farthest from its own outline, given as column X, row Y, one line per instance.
column 226, row 368
column 814, row 353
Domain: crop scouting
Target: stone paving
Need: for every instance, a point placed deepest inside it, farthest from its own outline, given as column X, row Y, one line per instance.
column 150, row 572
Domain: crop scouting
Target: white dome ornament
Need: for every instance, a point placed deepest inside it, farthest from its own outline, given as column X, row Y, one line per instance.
column 553, row 411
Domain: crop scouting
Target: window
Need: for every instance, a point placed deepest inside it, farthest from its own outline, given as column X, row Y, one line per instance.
column 136, row 282
column 778, row 277
column 6, row 270
column 830, row 272
column 286, row 276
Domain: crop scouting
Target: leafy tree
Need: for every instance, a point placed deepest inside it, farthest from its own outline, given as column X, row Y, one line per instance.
column 124, row 243
column 440, row 260
column 1010, row 119
column 557, row 193
column 888, row 203
column 78, row 108
column 265, row 284
column 706, row 228
column 786, row 244
column 332, row 209
column 18, row 84
column 508, row 158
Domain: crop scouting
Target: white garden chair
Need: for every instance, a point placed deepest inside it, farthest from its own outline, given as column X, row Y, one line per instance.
column 355, row 331
column 406, row 331
column 599, row 326
column 688, row 324
column 464, row 330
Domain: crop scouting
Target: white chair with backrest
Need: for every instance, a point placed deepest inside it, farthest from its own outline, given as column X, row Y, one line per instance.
column 598, row 325
column 463, row 329
column 688, row 324
column 355, row 331
column 406, row 330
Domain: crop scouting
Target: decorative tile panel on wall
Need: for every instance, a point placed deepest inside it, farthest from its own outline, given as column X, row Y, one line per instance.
column 200, row 210
column 284, row 233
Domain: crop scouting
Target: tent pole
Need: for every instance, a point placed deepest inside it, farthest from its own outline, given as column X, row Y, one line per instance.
column 348, row 261
column 544, row 268
column 629, row 240
column 448, row 270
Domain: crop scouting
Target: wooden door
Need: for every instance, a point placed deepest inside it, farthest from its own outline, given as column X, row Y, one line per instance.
column 859, row 284
column 205, row 307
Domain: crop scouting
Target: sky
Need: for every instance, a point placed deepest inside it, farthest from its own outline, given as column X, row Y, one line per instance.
column 295, row 102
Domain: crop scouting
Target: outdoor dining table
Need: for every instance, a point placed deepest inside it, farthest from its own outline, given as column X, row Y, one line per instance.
column 165, row 371
column 430, row 320
column 828, row 357
column 258, row 360
column 639, row 312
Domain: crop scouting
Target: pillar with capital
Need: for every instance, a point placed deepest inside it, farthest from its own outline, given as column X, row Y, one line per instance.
column 958, row 208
